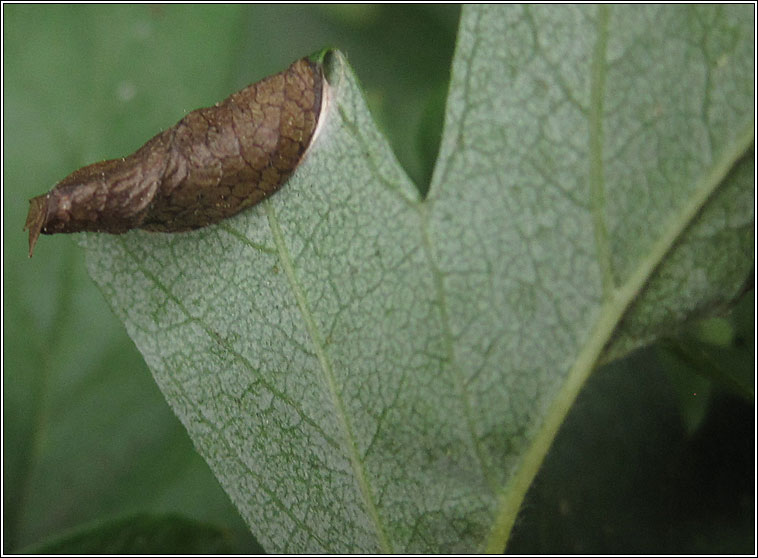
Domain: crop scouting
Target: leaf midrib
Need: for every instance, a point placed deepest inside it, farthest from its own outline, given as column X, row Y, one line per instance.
column 595, row 136
column 328, row 371
column 611, row 313
column 233, row 451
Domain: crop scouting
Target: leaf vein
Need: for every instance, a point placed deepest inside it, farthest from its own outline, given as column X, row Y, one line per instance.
column 610, row 315
column 227, row 346
column 596, row 175
column 449, row 343
column 328, row 371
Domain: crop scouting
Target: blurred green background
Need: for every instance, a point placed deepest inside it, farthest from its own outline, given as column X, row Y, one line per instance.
column 93, row 456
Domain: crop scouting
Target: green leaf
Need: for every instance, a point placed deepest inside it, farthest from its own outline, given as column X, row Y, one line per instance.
column 86, row 433
column 364, row 370
column 552, row 119
column 140, row 534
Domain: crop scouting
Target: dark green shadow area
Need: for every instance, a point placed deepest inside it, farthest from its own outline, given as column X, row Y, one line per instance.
column 629, row 473
column 141, row 534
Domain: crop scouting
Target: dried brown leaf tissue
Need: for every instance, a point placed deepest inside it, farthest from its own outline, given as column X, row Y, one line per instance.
column 212, row 164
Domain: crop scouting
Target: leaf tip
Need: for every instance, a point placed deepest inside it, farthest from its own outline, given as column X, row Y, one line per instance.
column 35, row 220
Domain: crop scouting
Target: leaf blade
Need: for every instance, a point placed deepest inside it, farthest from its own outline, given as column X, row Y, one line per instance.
column 479, row 138
column 384, row 355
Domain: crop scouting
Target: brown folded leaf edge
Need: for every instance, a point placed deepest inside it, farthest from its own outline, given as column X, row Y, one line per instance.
column 212, row 164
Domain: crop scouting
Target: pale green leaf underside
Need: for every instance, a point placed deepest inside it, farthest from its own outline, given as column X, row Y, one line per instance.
column 367, row 371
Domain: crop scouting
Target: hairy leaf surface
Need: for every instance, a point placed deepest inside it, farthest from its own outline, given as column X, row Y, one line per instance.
column 365, row 370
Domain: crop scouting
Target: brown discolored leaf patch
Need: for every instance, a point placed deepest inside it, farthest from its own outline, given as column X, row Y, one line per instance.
column 212, row 164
